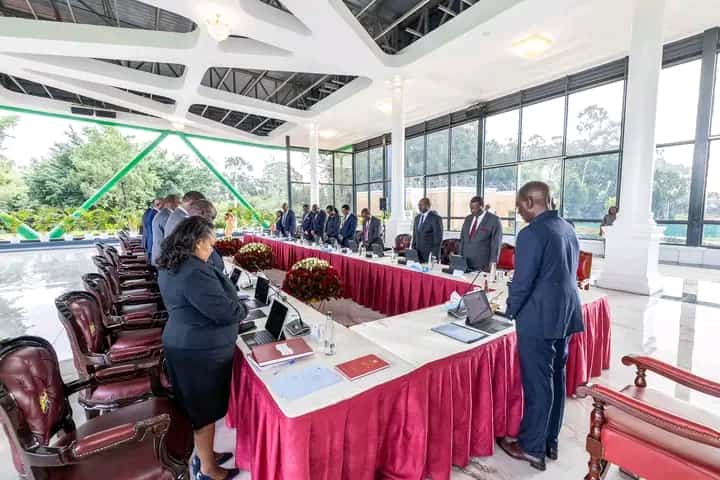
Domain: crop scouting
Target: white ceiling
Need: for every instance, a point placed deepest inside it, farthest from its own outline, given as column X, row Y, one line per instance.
column 465, row 61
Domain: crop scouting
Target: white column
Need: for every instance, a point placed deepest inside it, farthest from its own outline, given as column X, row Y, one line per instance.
column 632, row 244
column 398, row 222
column 314, row 156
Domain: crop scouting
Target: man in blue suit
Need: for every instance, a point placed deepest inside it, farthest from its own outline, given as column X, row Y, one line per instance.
column 289, row 224
column 307, row 222
column 318, row 227
column 147, row 219
column 545, row 304
column 347, row 226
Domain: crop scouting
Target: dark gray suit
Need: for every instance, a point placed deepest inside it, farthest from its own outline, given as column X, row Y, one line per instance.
column 373, row 233
column 158, row 233
column 177, row 216
column 484, row 247
column 427, row 237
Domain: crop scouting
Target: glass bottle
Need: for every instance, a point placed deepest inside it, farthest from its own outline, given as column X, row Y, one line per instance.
column 329, row 334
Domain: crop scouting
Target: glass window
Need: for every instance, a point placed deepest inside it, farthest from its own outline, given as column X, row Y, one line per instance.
column 300, row 195
column 437, row 152
column 299, row 166
column 414, row 156
column 712, row 195
column 716, row 109
column 542, row 129
column 588, row 229
column 594, row 119
column 361, row 197
column 376, row 193
column 463, row 151
column 677, row 103
column 414, row 191
column 501, row 138
column 326, row 194
column 671, row 185
column 343, row 195
column 590, row 186
column 548, row 171
column 376, row 164
column 343, row 168
column 361, row 167
column 437, row 192
column 456, row 224
column 499, row 190
column 711, row 235
column 674, row 233
column 388, row 162
column 463, row 186
column 325, row 167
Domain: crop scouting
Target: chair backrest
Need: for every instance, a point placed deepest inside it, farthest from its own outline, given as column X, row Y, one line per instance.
column 402, row 242
column 584, row 266
column 96, row 284
column 33, row 405
column 449, row 246
column 81, row 315
column 111, row 276
column 506, row 260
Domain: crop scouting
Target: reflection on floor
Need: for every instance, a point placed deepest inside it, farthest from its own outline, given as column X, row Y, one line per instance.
column 680, row 327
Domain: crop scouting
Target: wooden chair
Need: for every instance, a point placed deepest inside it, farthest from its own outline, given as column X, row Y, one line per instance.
column 402, row 243
column 449, row 246
column 584, row 270
column 506, row 259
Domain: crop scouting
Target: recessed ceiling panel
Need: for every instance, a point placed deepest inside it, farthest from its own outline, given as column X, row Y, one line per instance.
column 255, row 124
column 174, row 70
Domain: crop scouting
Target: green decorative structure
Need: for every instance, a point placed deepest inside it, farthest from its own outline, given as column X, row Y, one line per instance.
column 223, row 180
column 19, row 227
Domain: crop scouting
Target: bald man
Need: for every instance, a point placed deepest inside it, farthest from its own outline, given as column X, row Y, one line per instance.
column 545, row 304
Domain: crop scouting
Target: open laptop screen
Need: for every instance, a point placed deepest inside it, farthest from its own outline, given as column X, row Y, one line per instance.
column 262, row 288
column 235, row 275
column 478, row 307
column 276, row 319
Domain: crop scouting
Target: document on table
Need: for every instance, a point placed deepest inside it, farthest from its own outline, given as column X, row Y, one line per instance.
column 298, row 384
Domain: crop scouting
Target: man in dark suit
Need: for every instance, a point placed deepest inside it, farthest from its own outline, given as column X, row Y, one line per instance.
column 545, row 304
column 318, row 228
column 480, row 237
column 371, row 229
column 170, row 203
column 332, row 224
column 307, row 221
column 181, row 212
column 289, row 224
column 348, row 225
column 427, row 232
column 147, row 219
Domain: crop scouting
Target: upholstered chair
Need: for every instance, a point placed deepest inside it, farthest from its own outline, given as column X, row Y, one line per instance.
column 148, row 440
column 449, row 246
column 584, row 270
column 506, row 260
column 402, row 243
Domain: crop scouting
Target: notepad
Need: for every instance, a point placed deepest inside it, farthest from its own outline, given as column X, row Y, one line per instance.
column 292, row 385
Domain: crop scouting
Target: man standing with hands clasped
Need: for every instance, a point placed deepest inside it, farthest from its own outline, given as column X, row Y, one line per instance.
column 481, row 237
column 544, row 301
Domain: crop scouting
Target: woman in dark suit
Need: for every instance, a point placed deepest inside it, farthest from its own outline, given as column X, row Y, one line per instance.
column 199, row 338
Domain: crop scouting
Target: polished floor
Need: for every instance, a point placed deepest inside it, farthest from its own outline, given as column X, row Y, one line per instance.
column 681, row 327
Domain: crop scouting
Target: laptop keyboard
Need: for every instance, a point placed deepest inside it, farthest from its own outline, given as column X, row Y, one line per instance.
column 262, row 337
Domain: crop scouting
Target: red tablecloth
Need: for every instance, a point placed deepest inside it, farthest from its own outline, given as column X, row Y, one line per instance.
column 386, row 289
column 413, row 427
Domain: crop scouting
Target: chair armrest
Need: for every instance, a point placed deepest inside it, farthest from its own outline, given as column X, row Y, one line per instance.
column 675, row 374
column 134, row 353
column 118, row 436
column 125, row 370
column 138, row 298
column 654, row 416
column 137, row 320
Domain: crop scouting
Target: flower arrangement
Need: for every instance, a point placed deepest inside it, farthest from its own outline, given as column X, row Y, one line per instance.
column 228, row 247
column 313, row 280
column 254, row 256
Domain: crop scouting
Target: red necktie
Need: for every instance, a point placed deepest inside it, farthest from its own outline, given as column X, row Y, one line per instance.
column 474, row 228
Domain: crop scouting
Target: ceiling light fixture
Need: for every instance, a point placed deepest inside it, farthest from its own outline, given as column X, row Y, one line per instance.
column 385, row 106
column 329, row 133
column 531, row 47
column 217, row 28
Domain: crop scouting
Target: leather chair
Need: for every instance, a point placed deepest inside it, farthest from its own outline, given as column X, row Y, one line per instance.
column 584, row 270
column 123, row 281
column 652, row 434
column 124, row 312
column 447, row 247
column 148, row 440
column 125, row 356
column 506, row 259
column 402, row 243
column 123, row 262
column 130, row 245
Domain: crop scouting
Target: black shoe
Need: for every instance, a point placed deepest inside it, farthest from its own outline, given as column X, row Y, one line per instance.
column 513, row 448
column 552, row 453
column 220, row 458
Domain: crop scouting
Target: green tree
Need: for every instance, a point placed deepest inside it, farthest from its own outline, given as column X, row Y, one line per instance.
column 13, row 192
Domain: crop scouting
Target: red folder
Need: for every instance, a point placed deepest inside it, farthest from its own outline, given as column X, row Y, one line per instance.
column 362, row 366
column 277, row 352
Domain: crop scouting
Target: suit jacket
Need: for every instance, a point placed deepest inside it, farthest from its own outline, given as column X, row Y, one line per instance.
column 307, row 224
column 177, row 216
column 203, row 306
column 373, row 232
column 332, row 227
column 428, row 236
column 484, row 247
column 158, row 233
column 347, row 230
column 543, row 295
column 319, row 223
column 147, row 219
column 289, row 223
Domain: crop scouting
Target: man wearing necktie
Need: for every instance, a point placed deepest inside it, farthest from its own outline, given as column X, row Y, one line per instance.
column 480, row 237
column 427, row 232
column 370, row 230
column 348, row 225
column 288, row 221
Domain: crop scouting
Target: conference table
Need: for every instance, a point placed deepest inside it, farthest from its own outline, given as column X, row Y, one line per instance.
column 439, row 403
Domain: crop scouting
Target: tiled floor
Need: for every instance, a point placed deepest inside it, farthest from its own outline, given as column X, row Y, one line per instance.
column 681, row 327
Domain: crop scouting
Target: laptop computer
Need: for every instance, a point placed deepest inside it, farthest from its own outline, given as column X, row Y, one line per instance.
column 411, row 255
column 378, row 249
column 459, row 333
column 262, row 289
column 479, row 314
column 273, row 327
column 457, row 262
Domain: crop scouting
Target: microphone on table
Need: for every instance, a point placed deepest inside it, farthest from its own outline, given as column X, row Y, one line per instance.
column 296, row 327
